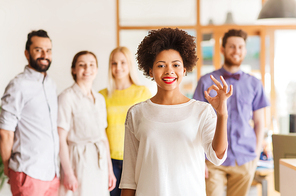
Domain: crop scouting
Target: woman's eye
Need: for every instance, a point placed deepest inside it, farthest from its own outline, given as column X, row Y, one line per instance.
column 177, row 65
column 160, row 66
column 80, row 65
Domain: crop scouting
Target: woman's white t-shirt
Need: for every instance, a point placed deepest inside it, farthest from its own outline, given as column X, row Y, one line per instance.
column 165, row 146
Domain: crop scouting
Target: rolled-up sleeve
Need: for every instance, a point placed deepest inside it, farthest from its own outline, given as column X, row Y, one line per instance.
column 11, row 107
column 260, row 100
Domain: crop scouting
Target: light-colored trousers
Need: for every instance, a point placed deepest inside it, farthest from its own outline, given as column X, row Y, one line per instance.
column 237, row 179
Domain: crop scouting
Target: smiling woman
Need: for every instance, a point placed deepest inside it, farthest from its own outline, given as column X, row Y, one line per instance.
column 171, row 122
column 81, row 127
column 168, row 70
column 123, row 91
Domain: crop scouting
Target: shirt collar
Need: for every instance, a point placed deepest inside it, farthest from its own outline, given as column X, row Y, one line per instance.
column 223, row 71
column 33, row 74
column 79, row 92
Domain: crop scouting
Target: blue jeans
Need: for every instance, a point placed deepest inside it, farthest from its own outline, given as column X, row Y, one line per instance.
column 117, row 169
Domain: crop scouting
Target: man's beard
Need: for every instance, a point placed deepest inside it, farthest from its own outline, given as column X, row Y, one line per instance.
column 228, row 62
column 37, row 66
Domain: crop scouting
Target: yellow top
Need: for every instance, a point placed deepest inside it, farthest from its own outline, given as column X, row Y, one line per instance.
column 117, row 106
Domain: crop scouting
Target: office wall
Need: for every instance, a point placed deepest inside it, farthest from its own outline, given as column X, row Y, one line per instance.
column 73, row 25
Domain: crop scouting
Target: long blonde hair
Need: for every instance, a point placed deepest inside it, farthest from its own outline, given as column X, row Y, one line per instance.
column 132, row 71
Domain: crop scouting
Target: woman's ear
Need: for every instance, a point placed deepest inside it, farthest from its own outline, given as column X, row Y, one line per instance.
column 150, row 73
column 73, row 71
column 184, row 72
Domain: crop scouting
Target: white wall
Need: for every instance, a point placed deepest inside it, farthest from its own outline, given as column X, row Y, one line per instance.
column 73, row 25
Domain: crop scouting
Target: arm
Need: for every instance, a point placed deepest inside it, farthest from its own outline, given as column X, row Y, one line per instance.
column 128, row 192
column 11, row 109
column 6, row 143
column 70, row 181
column 220, row 137
column 128, row 184
column 258, row 117
column 111, row 176
column 219, row 103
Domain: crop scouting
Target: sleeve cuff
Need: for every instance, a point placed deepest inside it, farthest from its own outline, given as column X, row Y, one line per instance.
column 8, row 121
column 127, row 186
column 8, row 128
column 64, row 126
column 213, row 157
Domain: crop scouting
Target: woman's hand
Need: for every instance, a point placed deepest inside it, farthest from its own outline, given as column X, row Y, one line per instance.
column 70, row 182
column 219, row 101
column 112, row 181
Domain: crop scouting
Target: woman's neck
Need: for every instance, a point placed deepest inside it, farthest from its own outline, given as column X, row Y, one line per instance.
column 86, row 88
column 174, row 97
column 122, row 84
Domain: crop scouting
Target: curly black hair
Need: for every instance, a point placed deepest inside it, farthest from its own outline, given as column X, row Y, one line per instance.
column 235, row 33
column 164, row 39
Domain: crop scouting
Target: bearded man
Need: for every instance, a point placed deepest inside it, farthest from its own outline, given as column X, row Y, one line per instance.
column 246, row 104
column 29, row 142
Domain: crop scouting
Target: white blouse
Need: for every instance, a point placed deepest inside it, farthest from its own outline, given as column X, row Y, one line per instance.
column 164, row 148
column 85, row 120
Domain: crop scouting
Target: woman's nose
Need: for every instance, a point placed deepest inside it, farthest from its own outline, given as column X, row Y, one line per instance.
column 169, row 71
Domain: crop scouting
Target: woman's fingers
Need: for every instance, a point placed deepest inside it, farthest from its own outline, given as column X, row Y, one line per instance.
column 213, row 87
column 207, row 92
column 216, row 82
column 230, row 91
column 219, row 87
column 207, row 96
column 72, row 186
column 225, row 86
column 112, row 183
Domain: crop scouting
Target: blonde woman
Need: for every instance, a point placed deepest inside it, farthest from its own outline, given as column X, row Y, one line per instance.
column 84, row 148
column 123, row 91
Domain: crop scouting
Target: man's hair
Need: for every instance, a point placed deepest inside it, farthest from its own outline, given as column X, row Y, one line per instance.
column 164, row 39
column 234, row 33
column 39, row 33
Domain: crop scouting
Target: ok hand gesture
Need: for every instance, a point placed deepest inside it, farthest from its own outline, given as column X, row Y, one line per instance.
column 219, row 101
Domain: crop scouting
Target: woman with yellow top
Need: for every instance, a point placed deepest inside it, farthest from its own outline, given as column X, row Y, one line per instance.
column 123, row 91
